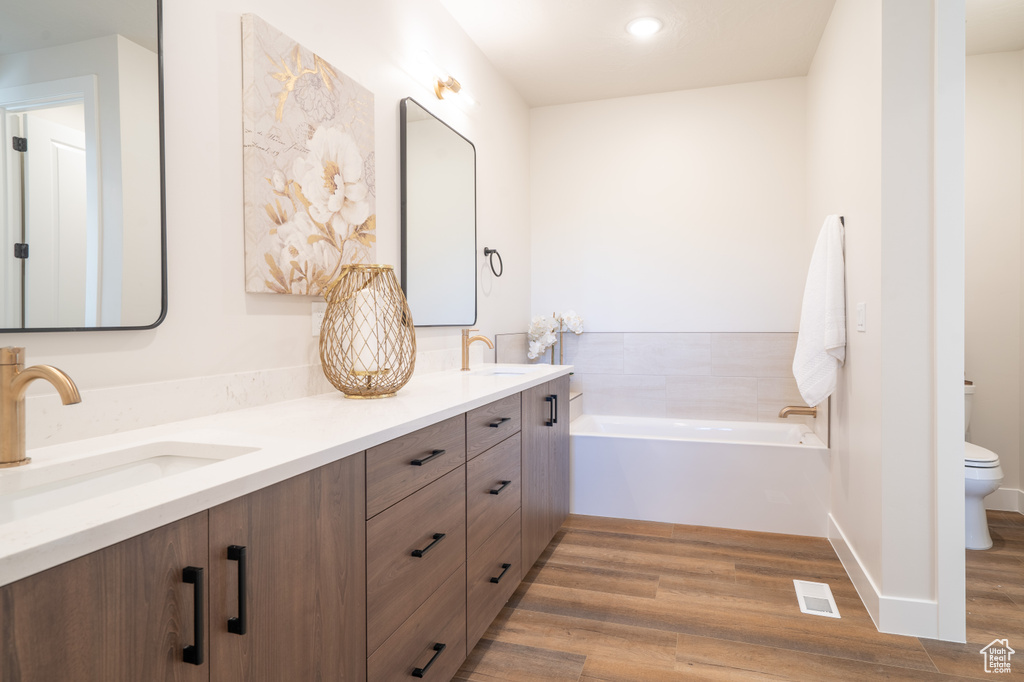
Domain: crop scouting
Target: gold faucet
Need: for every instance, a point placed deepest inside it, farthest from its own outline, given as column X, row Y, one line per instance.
column 14, row 381
column 798, row 409
column 466, row 341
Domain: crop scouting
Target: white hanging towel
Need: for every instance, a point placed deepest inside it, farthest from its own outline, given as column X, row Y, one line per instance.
column 821, row 343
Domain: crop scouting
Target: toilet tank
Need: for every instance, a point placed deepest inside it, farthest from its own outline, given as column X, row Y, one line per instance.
column 968, row 399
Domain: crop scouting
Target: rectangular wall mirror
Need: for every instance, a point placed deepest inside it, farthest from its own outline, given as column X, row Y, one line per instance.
column 81, row 166
column 438, row 220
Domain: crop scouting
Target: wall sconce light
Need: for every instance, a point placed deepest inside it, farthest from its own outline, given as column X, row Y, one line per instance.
column 444, row 82
column 448, row 84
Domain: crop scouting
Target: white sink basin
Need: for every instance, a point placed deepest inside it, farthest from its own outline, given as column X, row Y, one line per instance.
column 43, row 486
column 506, row 370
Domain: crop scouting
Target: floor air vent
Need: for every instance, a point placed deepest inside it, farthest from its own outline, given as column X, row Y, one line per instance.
column 816, row 599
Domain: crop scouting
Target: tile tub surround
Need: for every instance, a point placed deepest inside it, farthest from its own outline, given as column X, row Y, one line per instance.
column 291, row 437
column 712, row 375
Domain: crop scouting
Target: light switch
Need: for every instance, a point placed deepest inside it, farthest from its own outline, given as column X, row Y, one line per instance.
column 319, row 310
column 862, row 316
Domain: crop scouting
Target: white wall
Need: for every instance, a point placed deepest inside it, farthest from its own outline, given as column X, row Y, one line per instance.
column 843, row 145
column 674, row 212
column 213, row 327
column 994, row 177
column 884, row 153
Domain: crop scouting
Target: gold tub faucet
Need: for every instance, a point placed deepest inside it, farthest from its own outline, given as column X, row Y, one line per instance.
column 466, row 341
column 798, row 409
column 14, row 381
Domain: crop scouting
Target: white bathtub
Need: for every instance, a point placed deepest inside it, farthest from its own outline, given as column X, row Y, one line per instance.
column 771, row 477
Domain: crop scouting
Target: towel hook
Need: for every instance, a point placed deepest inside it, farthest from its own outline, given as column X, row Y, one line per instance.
column 491, row 253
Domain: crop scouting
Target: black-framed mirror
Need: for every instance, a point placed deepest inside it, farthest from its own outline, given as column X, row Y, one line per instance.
column 438, row 220
column 82, row 210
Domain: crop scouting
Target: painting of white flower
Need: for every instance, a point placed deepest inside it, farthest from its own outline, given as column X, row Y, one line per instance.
column 308, row 166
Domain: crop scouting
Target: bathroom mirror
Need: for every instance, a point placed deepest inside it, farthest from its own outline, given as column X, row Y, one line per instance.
column 438, row 220
column 81, row 165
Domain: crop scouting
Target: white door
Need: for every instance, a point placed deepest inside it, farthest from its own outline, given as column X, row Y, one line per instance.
column 56, row 219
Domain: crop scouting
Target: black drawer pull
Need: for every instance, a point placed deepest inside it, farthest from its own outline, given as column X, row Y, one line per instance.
column 420, row 672
column 504, row 484
column 194, row 652
column 420, row 552
column 237, row 625
column 498, row 423
column 550, row 400
column 504, row 570
column 432, row 455
column 554, row 419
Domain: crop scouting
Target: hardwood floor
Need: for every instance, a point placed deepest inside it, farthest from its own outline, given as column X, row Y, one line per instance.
column 628, row 601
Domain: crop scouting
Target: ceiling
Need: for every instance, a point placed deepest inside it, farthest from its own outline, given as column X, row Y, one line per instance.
column 33, row 24
column 562, row 51
column 995, row 26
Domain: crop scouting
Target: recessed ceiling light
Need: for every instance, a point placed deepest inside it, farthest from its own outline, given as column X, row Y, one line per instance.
column 644, row 27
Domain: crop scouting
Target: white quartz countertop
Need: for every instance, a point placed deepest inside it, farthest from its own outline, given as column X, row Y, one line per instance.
column 289, row 438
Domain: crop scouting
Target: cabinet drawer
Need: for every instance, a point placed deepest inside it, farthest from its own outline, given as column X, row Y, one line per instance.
column 391, row 474
column 491, row 424
column 440, row 620
column 493, row 488
column 485, row 597
column 397, row 582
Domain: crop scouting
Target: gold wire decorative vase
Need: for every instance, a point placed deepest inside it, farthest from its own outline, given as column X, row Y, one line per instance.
column 367, row 341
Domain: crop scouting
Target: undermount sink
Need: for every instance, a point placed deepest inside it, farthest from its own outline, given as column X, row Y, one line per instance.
column 43, row 486
column 506, row 370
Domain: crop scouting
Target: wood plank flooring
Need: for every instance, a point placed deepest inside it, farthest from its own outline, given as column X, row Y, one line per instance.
column 613, row 600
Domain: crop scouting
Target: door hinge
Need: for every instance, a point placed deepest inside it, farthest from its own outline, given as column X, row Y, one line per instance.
column 20, row 144
column 21, row 250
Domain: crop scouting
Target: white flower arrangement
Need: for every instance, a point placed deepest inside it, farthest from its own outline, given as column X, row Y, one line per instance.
column 546, row 331
column 572, row 321
column 542, row 335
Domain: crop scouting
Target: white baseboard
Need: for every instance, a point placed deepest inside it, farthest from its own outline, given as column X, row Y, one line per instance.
column 865, row 587
column 1006, row 499
column 893, row 615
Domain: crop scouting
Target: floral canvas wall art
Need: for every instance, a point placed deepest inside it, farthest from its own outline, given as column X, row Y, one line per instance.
column 308, row 166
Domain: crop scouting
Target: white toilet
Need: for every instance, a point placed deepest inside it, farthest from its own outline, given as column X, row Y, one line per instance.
column 982, row 476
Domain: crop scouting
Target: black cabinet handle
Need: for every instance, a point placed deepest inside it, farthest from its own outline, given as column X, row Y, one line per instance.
column 194, row 576
column 420, row 552
column 432, row 455
column 498, row 423
column 420, row 672
column 554, row 418
column 504, row 484
column 237, row 625
column 504, row 570
column 550, row 400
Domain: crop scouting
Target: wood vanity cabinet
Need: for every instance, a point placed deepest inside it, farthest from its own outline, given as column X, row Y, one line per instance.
column 372, row 567
column 298, row 549
column 545, row 465
column 121, row 613
column 416, row 554
column 124, row 614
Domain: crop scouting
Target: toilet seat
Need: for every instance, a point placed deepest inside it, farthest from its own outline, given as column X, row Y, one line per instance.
column 977, row 457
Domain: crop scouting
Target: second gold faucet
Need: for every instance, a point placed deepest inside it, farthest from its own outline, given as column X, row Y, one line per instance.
column 466, row 341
